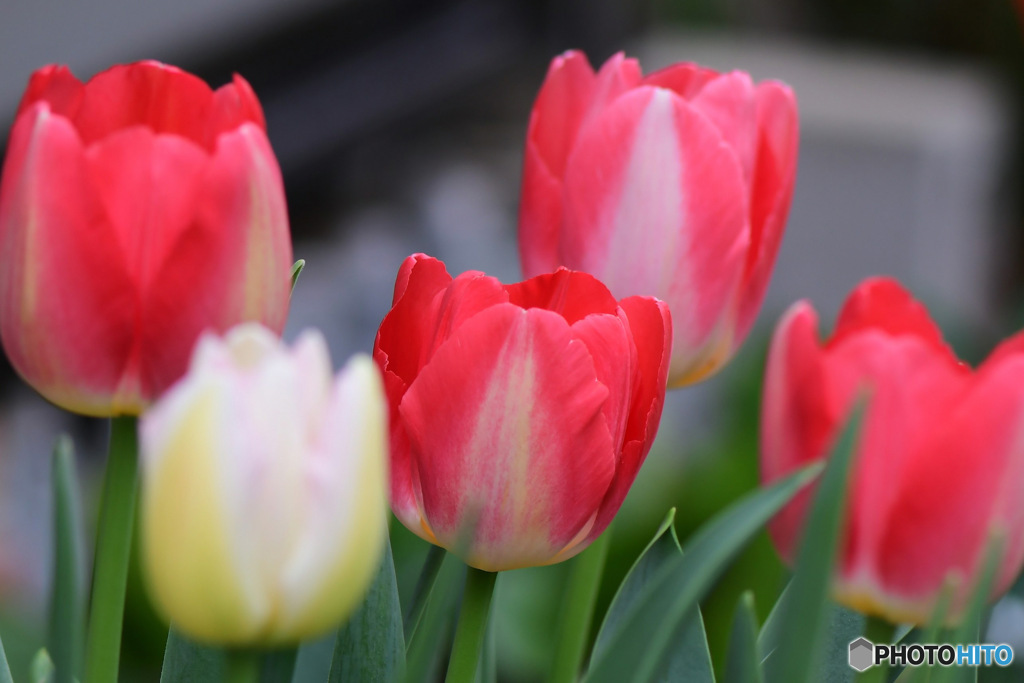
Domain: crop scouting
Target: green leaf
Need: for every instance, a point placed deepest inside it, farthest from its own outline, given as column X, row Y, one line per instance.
column 637, row 649
column 188, row 662
column 371, row 646
column 689, row 658
column 435, row 627
column 41, row 668
column 742, row 662
column 805, row 612
column 296, row 272
column 278, row 666
column 67, row 610
column 931, row 634
column 5, row 669
column 969, row 629
column 425, row 583
column 313, row 661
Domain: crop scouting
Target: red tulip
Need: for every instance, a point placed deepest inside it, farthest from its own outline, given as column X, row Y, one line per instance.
column 940, row 462
column 520, row 412
column 675, row 185
column 136, row 211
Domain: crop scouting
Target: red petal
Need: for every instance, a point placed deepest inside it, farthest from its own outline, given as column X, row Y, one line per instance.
column 883, row 304
column 729, row 102
column 67, row 302
column 571, row 294
column 650, row 326
column 771, row 192
column 540, row 215
column 506, row 424
column 685, row 79
column 57, row 86
column 963, row 478
column 615, row 359
column 655, row 205
column 232, row 105
column 160, row 97
column 562, row 103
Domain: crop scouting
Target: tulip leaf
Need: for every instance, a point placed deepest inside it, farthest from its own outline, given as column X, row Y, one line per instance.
column 689, row 658
column 278, row 666
column 637, row 649
column 41, row 668
column 425, row 583
column 435, row 627
column 189, row 662
column 969, row 629
column 313, row 661
column 743, row 663
column 930, row 634
column 5, row 669
column 67, row 606
column 805, row 612
column 296, row 272
column 371, row 645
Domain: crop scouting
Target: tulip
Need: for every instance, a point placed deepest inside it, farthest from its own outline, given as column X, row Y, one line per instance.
column 939, row 463
column 264, row 487
column 520, row 413
column 675, row 185
column 136, row 210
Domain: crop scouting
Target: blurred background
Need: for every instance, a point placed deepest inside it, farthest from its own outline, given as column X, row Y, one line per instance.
column 399, row 127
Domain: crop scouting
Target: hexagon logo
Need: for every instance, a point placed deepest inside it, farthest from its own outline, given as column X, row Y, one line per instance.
column 862, row 654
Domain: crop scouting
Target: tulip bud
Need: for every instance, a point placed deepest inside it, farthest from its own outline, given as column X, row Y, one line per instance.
column 136, row 210
column 520, row 414
column 675, row 185
column 940, row 461
column 263, row 490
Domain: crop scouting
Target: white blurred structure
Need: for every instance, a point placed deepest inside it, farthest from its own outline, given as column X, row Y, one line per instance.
column 900, row 159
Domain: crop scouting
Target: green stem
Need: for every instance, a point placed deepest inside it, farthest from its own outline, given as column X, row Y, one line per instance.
column 242, row 666
column 578, row 610
column 113, row 550
column 880, row 632
column 469, row 634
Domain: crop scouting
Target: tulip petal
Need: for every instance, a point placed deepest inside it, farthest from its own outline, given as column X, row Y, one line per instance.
column 966, row 476
column 57, row 86
column 572, row 294
column 650, row 326
column 685, row 79
column 634, row 218
column 480, row 418
column 615, row 359
column 729, row 102
column 540, row 215
column 67, row 302
column 233, row 105
column 163, row 98
column 771, row 192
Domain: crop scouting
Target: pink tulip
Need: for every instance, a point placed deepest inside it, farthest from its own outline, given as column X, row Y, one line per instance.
column 940, row 461
column 675, row 185
column 519, row 413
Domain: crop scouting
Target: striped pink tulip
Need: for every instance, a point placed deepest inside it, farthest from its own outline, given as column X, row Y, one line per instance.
column 675, row 185
column 520, row 414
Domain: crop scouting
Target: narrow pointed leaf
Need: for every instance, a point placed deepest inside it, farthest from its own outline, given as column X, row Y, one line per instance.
column 435, row 627
column 67, row 607
column 189, row 662
column 41, row 668
column 278, row 666
column 296, row 272
column 425, row 583
column 742, row 662
column 689, row 658
column 799, row 654
column 313, row 661
column 638, row 648
column 371, row 645
column 930, row 634
column 5, row 669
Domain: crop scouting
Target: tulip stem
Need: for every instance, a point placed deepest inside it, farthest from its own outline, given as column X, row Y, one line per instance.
column 472, row 627
column 113, row 550
column 578, row 609
column 242, row 666
column 880, row 632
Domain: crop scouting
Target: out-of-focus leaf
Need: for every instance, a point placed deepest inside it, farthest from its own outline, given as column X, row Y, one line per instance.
column 278, row 666
column 434, row 629
column 798, row 658
column 296, row 271
column 743, row 663
column 189, row 662
column 41, row 669
column 689, row 659
column 371, row 646
column 5, row 670
column 313, row 661
column 67, row 607
column 638, row 649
